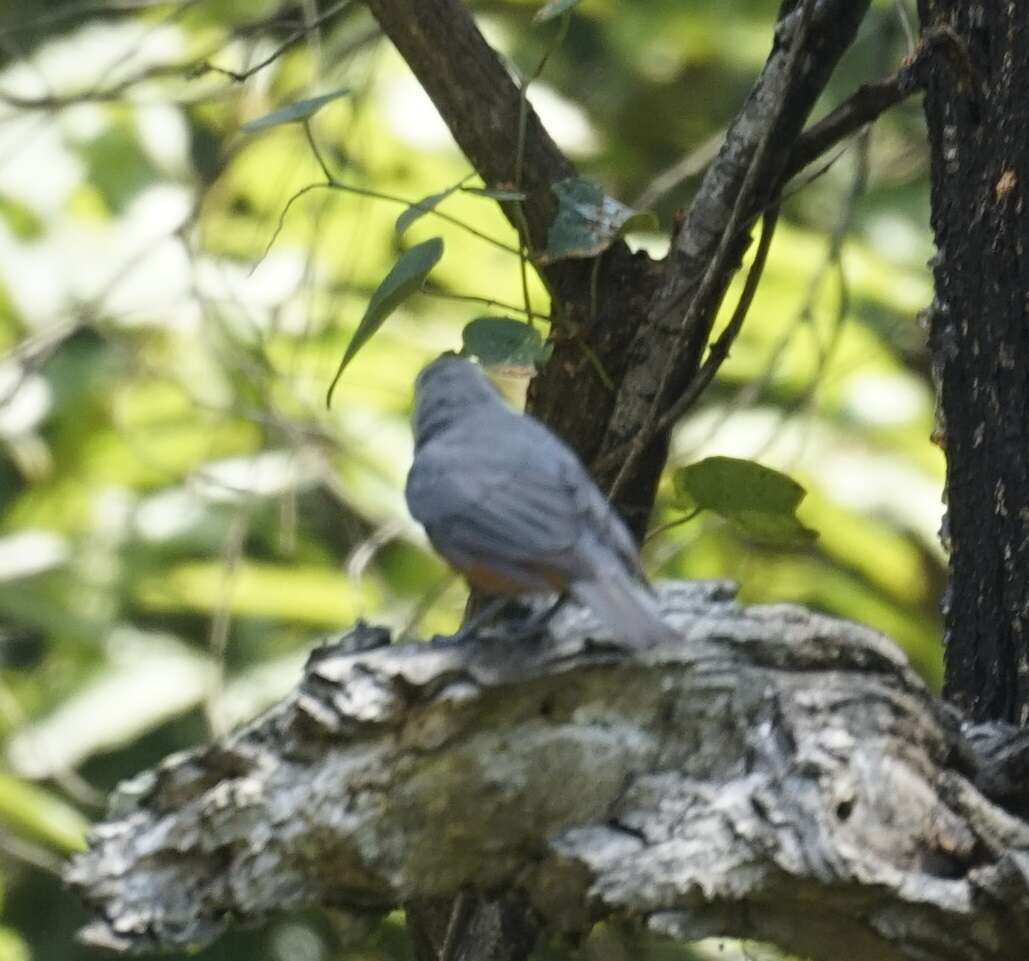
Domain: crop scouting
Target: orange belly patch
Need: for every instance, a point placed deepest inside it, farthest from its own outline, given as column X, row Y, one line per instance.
column 482, row 578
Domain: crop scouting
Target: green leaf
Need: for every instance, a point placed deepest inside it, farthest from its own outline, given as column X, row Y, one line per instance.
column 554, row 8
column 13, row 946
column 293, row 593
column 293, row 112
column 429, row 203
column 588, row 221
column 407, row 275
column 503, row 342
column 34, row 813
column 760, row 502
column 117, row 167
column 419, row 209
column 22, row 220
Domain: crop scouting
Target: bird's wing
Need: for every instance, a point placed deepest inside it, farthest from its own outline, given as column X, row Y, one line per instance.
column 497, row 507
column 610, row 531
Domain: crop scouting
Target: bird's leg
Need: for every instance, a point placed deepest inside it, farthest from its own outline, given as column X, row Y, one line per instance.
column 479, row 619
column 535, row 622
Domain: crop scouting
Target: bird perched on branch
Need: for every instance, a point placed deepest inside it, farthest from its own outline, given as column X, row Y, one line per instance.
column 510, row 506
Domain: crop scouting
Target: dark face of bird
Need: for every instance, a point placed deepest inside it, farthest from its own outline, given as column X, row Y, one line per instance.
column 445, row 390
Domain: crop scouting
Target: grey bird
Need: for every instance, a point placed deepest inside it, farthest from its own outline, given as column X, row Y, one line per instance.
column 510, row 506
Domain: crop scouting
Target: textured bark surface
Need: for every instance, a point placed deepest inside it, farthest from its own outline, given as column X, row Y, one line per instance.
column 631, row 319
column 776, row 775
column 748, row 171
column 480, row 101
column 979, row 336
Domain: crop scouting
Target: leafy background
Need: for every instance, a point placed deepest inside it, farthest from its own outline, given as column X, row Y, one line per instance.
column 181, row 518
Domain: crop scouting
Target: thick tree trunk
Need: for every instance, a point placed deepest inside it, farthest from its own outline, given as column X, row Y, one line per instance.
column 979, row 133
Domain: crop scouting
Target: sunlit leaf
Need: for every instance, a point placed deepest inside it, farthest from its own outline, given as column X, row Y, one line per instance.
column 117, row 167
column 13, row 946
column 407, row 275
column 588, row 221
column 146, row 679
column 293, row 112
column 503, row 342
column 35, row 813
column 760, row 502
column 554, row 8
column 293, row 593
column 22, row 220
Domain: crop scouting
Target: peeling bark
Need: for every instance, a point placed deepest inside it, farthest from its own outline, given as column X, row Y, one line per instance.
column 778, row 775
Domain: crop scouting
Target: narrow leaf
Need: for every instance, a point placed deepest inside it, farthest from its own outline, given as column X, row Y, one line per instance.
column 420, row 209
column 293, row 112
column 35, row 813
column 406, row 276
column 760, row 502
column 427, row 204
column 503, row 342
column 554, row 8
column 588, row 221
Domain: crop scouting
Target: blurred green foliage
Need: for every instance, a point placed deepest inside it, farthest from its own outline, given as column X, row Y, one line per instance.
column 182, row 517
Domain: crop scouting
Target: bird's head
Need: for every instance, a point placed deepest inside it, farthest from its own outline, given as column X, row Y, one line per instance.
column 446, row 390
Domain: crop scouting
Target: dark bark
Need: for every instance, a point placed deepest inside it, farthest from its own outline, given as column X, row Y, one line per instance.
column 979, row 338
column 480, row 102
column 668, row 349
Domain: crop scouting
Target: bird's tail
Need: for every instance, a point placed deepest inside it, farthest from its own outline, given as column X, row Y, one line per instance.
column 624, row 606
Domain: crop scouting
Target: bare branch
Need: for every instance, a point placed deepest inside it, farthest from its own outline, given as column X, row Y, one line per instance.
column 714, row 235
column 721, row 347
column 480, row 102
column 773, row 760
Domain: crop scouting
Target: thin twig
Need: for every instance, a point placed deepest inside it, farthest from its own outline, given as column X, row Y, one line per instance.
column 474, row 299
column 678, row 522
column 221, row 620
column 296, row 36
column 425, row 604
column 719, row 350
column 751, row 391
column 80, row 11
column 189, row 69
column 525, row 248
column 863, row 107
column 332, row 184
column 694, row 163
column 873, row 99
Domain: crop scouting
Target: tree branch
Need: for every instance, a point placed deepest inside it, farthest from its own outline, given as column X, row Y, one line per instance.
column 592, row 324
column 873, row 99
column 481, row 104
column 864, row 106
column 773, row 760
column 668, row 347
